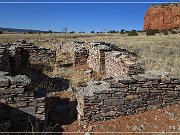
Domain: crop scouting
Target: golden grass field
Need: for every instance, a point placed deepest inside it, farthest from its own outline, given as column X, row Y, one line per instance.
column 160, row 52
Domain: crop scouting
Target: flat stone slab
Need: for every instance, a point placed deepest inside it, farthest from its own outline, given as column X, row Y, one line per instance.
column 29, row 110
column 11, row 90
column 3, row 73
column 4, row 82
column 113, row 102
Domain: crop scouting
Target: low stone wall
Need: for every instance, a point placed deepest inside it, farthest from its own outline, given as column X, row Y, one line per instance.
column 15, row 56
column 125, row 95
column 121, row 63
column 19, row 106
column 36, row 54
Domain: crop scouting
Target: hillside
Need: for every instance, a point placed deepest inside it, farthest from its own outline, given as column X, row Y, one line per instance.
column 20, row 30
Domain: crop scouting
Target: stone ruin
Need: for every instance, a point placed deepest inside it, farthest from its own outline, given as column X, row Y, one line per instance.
column 21, row 105
column 125, row 95
column 103, row 58
column 78, row 52
column 126, row 89
column 37, row 55
column 120, row 62
column 14, row 56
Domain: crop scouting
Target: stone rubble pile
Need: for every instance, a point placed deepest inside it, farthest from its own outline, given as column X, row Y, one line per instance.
column 126, row 95
column 18, row 103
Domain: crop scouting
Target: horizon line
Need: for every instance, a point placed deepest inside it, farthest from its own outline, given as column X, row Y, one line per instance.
column 78, row 2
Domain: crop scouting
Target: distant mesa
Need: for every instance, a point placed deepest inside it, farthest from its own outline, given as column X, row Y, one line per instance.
column 162, row 16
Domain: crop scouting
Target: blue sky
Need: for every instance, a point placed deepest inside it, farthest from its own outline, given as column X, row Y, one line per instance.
column 77, row 17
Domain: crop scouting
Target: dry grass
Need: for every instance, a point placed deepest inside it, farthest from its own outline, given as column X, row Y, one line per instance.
column 161, row 52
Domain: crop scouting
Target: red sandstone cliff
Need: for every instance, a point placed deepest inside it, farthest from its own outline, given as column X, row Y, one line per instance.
column 162, row 17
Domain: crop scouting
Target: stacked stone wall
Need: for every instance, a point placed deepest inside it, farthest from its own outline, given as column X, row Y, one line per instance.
column 16, row 56
column 96, row 59
column 4, row 59
column 103, row 57
column 36, row 54
column 111, row 98
column 81, row 56
column 121, row 63
column 19, row 105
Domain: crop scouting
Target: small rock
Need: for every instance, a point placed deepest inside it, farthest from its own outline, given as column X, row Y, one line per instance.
column 90, row 128
column 178, row 128
column 87, row 133
column 138, row 128
column 84, row 126
column 70, row 89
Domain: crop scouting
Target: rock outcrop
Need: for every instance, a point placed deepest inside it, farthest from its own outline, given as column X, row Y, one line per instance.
column 162, row 17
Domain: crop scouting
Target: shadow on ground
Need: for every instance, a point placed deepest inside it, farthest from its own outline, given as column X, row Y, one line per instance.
column 61, row 112
column 15, row 120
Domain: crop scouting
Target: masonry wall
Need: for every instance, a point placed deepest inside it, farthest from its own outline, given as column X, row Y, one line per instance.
column 103, row 57
column 4, row 59
column 15, row 56
column 19, row 105
column 126, row 95
column 36, row 54
column 81, row 56
column 96, row 59
column 77, row 51
column 121, row 63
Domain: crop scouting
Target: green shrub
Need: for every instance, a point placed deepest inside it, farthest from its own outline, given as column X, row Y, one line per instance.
column 152, row 32
column 133, row 33
column 165, row 32
column 72, row 32
column 122, row 31
column 112, row 31
column 92, row 31
column 50, row 31
column 30, row 32
column 173, row 31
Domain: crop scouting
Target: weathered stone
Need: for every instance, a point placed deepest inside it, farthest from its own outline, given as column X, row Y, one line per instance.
column 40, row 110
column 40, row 116
column 4, row 82
column 153, row 101
column 113, row 102
column 132, row 97
column 142, row 90
column 29, row 110
column 153, row 107
column 11, row 90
